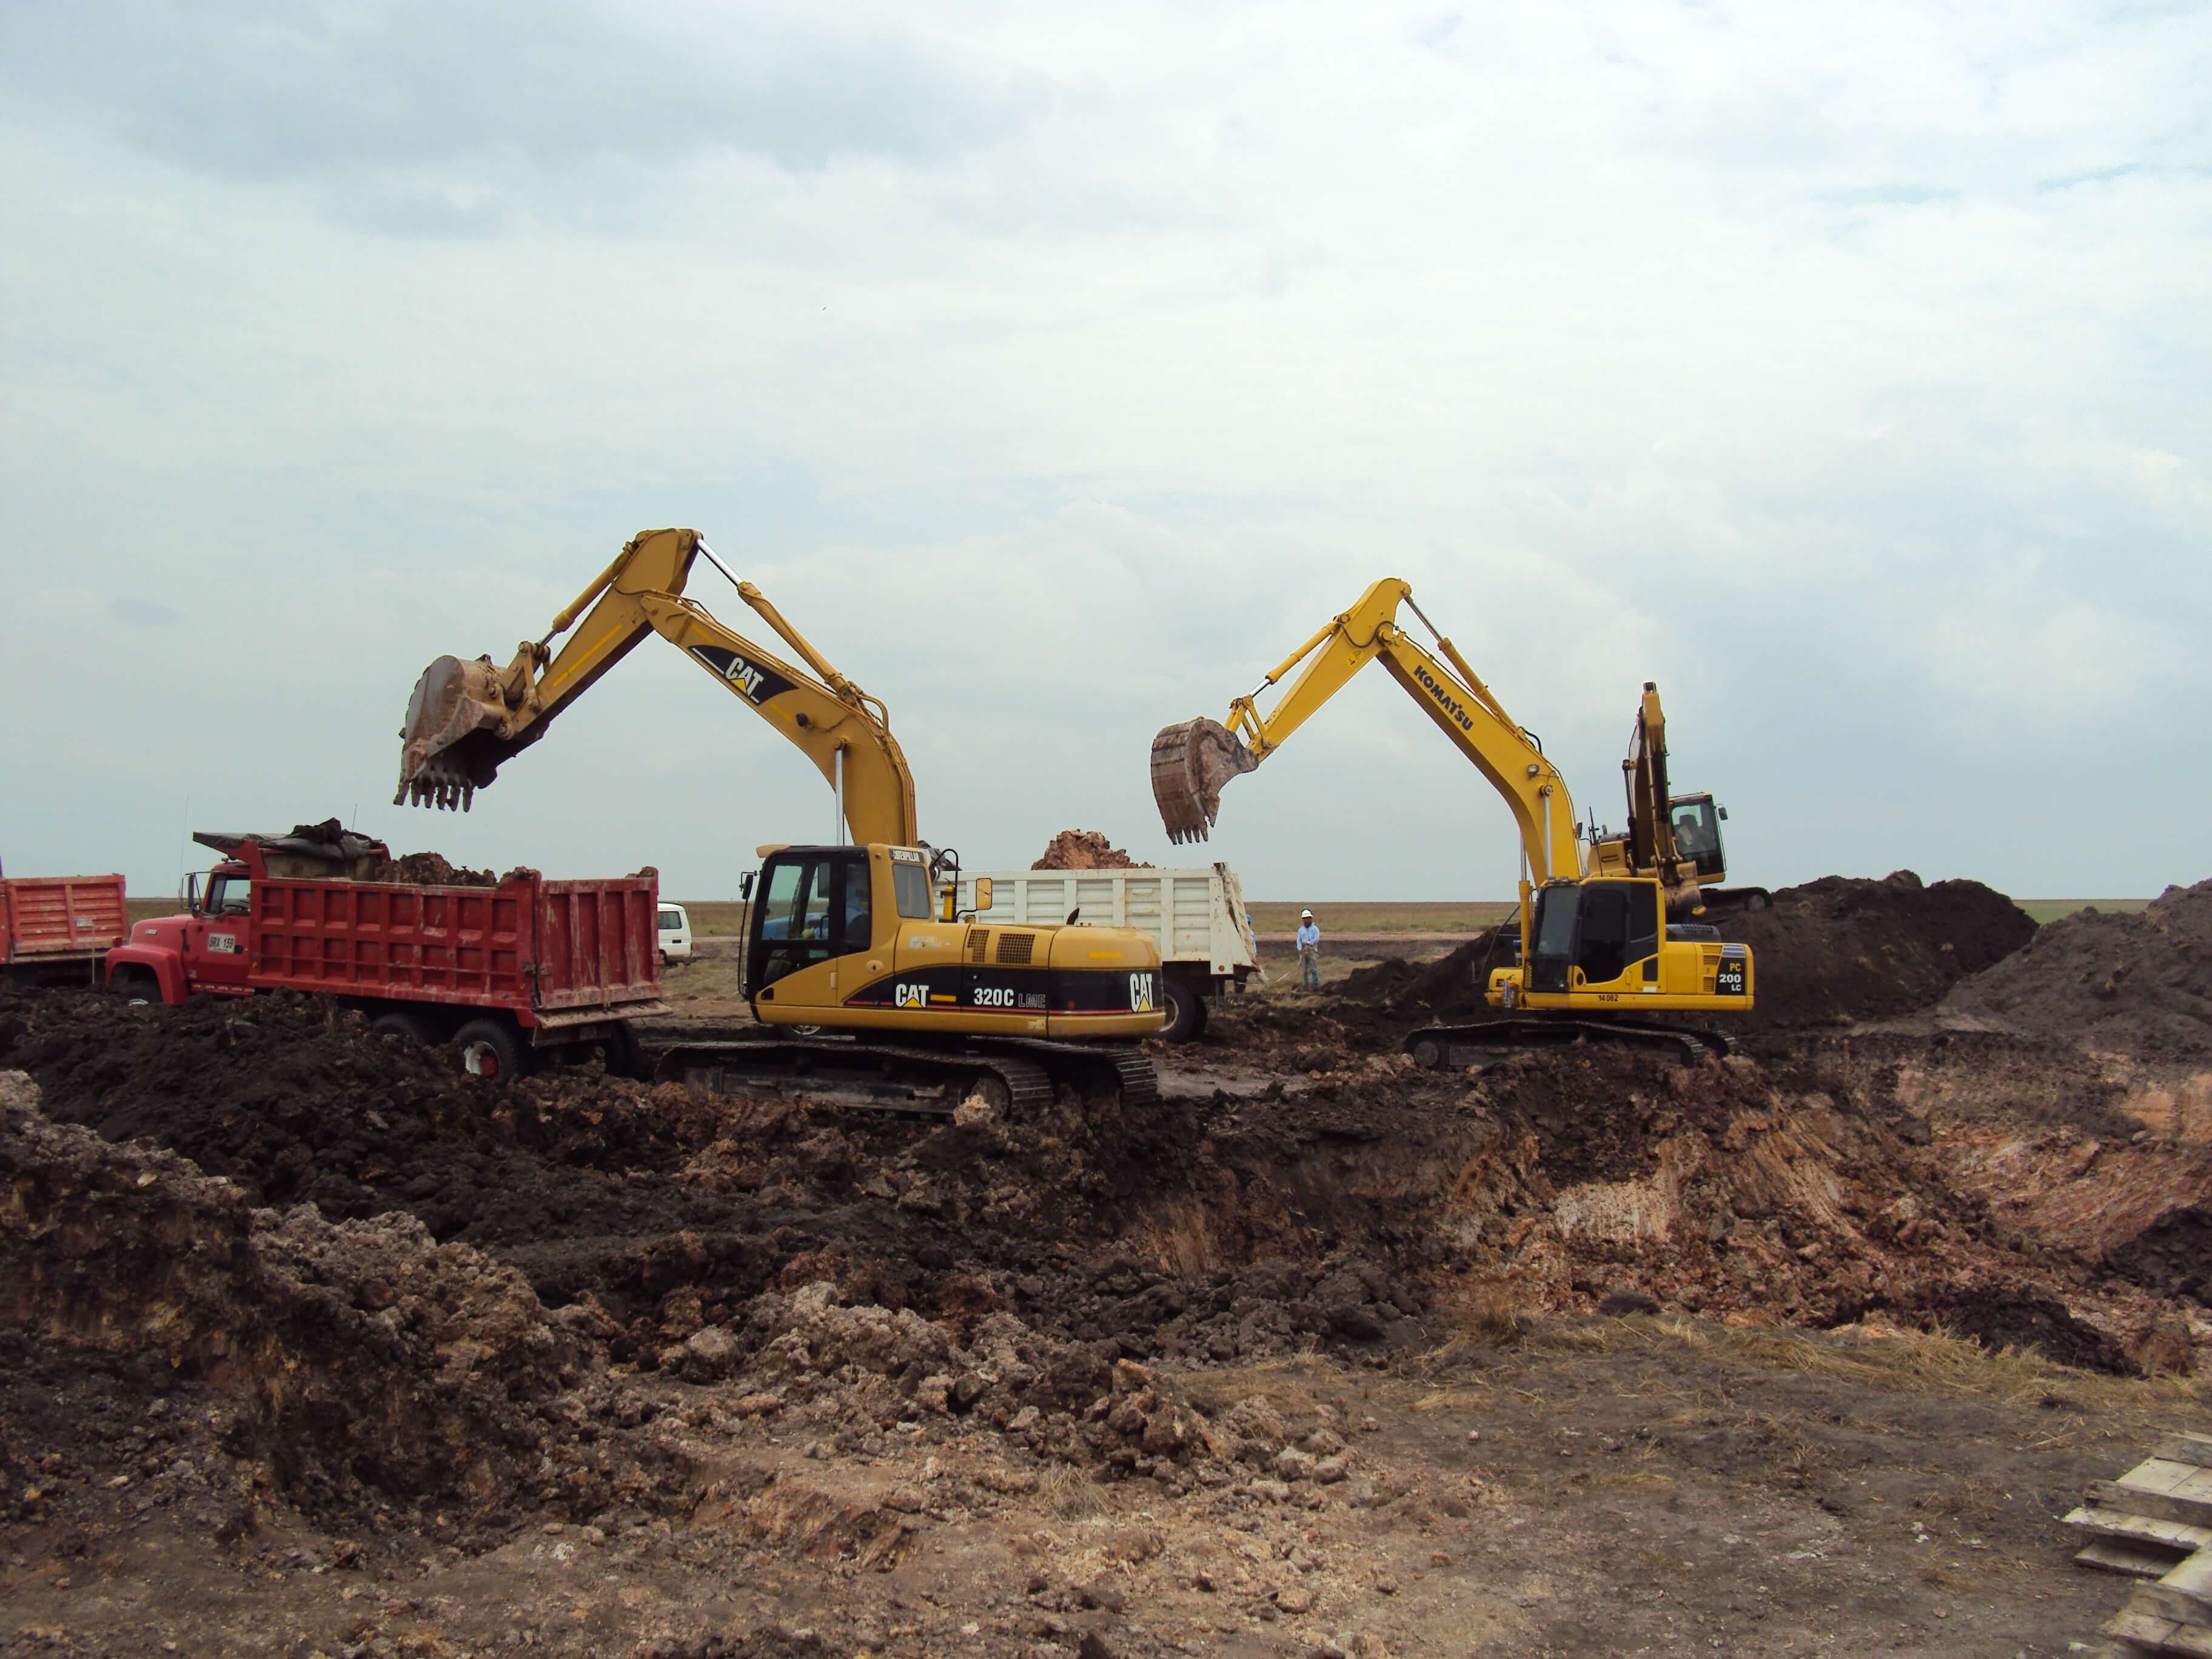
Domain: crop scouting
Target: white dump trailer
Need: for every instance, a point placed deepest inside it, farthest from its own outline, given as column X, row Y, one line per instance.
column 1195, row 917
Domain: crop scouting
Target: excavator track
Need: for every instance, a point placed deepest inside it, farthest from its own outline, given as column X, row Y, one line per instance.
column 1483, row 1042
column 1015, row 1076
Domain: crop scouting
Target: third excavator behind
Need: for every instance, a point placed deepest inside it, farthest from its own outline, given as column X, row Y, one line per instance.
column 867, row 984
column 1613, row 942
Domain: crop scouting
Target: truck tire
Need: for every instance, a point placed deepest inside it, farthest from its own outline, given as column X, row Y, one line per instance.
column 136, row 986
column 491, row 1049
column 395, row 1024
column 1185, row 1012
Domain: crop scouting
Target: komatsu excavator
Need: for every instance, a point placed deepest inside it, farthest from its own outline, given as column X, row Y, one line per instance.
column 866, row 982
column 1599, row 957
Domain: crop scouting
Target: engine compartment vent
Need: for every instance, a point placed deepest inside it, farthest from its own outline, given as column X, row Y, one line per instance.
column 1016, row 948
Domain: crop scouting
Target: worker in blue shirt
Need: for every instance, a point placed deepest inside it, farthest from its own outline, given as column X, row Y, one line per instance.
column 1309, row 951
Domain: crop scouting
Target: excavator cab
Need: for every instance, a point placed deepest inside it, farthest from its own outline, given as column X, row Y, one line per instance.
column 1696, row 825
column 853, row 938
column 1605, row 944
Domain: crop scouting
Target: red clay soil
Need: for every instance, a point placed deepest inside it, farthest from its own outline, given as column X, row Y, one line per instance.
column 1085, row 849
column 2140, row 983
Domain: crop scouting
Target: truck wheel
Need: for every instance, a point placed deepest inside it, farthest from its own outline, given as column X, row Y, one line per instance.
column 137, row 987
column 396, row 1025
column 1186, row 1013
column 490, row 1049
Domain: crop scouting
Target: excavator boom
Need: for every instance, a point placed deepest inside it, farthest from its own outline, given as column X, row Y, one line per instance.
column 468, row 718
column 1194, row 761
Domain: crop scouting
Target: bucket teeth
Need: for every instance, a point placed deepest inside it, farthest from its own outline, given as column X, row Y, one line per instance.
column 1190, row 763
column 456, row 735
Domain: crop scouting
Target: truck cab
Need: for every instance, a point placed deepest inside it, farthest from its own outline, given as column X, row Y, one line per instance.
column 864, row 938
column 208, row 946
column 1604, row 943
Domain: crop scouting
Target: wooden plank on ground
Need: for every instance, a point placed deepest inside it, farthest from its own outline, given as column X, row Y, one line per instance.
column 2141, row 1629
column 2192, row 1576
column 2160, row 1602
column 2184, row 1448
column 2176, row 1535
column 2120, row 1555
column 2139, row 1500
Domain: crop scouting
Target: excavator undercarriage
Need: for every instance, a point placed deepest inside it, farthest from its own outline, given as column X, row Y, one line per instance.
column 1005, row 1076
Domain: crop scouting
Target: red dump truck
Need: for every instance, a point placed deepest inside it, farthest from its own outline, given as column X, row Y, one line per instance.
column 516, row 974
column 57, row 928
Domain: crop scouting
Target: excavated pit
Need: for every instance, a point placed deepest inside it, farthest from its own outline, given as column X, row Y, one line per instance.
column 306, row 1266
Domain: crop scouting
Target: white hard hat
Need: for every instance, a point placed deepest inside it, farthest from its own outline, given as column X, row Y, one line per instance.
column 1308, row 915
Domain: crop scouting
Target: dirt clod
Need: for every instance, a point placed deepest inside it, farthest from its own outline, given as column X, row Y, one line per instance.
column 1085, row 849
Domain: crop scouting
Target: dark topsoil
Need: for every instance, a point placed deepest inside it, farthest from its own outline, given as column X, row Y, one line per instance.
column 1832, row 953
column 2140, row 983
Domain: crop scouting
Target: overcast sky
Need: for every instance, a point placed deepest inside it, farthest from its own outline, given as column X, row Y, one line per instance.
column 1846, row 370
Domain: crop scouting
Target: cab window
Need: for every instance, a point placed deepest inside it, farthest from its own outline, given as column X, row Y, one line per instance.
column 1698, row 833
column 230, row 896
column 910, row 891
column 1601, row 943
column 671, row 922
column 857, row 926
column 793, row 919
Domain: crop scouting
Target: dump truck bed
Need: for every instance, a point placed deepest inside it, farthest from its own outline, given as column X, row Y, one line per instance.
column 550, row 953
column 53, row 920
column 1193, row 917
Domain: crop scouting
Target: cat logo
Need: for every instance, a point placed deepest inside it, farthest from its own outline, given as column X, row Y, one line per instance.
column 1140, row 993
column 910, row 996
column 757, row 683
column 743, row 675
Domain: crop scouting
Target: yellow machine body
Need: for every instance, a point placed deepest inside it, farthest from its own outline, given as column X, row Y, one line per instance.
column 1573, row 949
column 912, row 966
column 851, row 938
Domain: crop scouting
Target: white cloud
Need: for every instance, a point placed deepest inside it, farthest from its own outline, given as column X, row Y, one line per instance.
column 1060, row 371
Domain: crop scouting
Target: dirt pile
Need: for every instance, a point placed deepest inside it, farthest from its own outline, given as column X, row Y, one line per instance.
column 366, row 1364
column 291, row 1099
column 1841, row 950
column 2141, row 984
column 1450, row 988
column 1832, row 953
column 1085, row 849
column 428, row 870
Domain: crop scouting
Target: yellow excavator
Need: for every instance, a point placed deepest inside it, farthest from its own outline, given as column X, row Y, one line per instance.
column 1599, row 957
column 866, row 982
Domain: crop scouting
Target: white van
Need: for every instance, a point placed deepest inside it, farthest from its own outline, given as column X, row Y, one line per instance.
column 675, row 933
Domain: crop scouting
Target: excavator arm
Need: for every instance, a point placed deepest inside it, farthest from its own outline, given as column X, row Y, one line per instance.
column 1191, row 762
column 466, row 719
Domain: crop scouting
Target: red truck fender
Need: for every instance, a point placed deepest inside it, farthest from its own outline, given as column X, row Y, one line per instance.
column 138, row 961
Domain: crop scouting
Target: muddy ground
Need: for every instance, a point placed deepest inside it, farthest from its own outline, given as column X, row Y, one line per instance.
column 313, row 1345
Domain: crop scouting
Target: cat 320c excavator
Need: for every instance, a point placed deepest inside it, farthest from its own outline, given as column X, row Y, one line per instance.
column 1599, row 957
column 868, row 985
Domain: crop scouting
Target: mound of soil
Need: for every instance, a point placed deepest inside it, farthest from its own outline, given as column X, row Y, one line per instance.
column 2141, row 984
column 1841, row 950
column 1831, row 952
column 1450, row 987
column 367, row 1363
column 1085, row 849
column 429, row 870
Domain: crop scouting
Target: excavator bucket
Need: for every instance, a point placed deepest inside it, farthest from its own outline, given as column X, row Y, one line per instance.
column 453, row 741
column 1190, row 763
